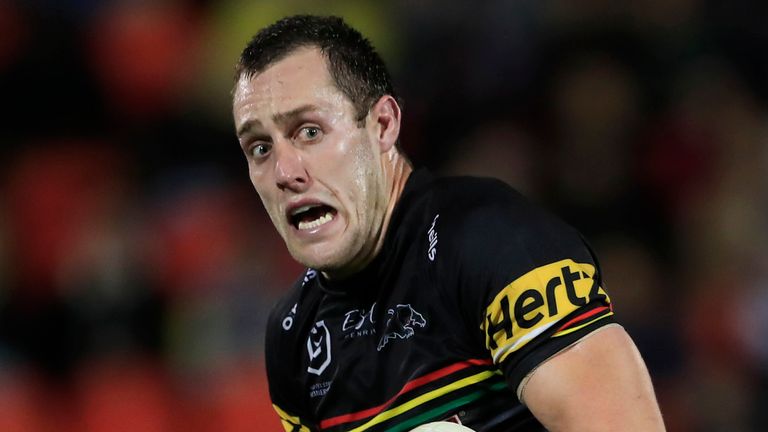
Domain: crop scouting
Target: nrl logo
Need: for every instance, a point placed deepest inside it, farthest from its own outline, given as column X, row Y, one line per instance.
column 400, row 324
column 319, row 348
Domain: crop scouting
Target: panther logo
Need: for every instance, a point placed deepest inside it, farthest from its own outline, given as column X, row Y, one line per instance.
column 400, row 324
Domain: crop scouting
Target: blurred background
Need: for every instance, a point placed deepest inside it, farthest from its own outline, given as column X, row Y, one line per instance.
column 137, row 266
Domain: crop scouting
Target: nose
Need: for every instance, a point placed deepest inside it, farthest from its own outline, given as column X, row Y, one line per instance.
column 290, row 172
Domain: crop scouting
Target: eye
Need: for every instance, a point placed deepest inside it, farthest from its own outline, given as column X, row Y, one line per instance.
column 261, row 150
column 310, row 133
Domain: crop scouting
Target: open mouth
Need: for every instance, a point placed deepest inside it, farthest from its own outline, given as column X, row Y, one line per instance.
column 308, row 217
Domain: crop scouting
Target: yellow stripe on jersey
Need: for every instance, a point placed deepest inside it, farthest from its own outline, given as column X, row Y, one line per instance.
column 579, row 327
column 535, row 302
column 290, row 423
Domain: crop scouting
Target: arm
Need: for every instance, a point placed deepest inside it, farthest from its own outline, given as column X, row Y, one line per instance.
column 599, row 384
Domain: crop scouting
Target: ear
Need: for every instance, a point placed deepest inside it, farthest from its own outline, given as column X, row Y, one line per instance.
column 385, row 119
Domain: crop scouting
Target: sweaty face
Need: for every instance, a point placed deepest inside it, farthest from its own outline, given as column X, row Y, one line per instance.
column 318, row 174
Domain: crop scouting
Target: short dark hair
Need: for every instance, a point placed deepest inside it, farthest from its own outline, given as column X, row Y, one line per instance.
column 354, row 65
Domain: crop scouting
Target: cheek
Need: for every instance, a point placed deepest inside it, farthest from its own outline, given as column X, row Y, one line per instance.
column 364, row 178
column 258, row 179
column 348, row 163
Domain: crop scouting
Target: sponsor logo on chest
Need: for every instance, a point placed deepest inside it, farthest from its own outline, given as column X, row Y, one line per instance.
column 359, row 322
column 401, row 322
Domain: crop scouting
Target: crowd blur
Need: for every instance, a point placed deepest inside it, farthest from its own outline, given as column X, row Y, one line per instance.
column 137, row 265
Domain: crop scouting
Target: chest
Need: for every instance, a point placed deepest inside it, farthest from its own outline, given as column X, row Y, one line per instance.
column 394, row 357
column 361, row 348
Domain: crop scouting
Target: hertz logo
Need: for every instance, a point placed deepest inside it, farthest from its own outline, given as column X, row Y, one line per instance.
column 536, row 301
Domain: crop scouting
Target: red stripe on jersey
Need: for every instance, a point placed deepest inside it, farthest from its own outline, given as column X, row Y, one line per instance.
column 583, row 316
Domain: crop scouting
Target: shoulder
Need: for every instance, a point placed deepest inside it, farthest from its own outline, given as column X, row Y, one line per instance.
column 482, row 214
column 473, row 201
column 489, row 236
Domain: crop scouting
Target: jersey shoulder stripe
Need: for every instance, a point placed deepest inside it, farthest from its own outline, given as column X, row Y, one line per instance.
column 584, row 320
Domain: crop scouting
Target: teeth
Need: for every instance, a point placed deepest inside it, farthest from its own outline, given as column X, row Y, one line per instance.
column 322, row 220
column 302, row 209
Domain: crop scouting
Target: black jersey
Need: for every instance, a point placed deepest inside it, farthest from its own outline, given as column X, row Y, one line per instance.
column 474, row 287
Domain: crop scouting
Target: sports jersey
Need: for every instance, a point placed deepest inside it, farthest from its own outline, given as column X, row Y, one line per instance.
column 474, row 287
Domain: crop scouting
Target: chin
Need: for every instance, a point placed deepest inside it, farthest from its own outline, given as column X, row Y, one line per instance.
column 325, row 261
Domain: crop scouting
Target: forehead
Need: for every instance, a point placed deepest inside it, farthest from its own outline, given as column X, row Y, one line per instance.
column 298, row 79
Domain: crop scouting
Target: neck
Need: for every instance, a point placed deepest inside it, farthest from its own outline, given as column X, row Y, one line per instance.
column 401, row 170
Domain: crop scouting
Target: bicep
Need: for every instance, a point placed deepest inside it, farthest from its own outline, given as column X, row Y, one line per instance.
column 599, row 384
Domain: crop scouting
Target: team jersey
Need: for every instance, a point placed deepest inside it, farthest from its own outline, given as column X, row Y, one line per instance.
column 473, row 289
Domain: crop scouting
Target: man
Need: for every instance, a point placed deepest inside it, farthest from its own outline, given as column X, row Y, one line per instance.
column 425, row 299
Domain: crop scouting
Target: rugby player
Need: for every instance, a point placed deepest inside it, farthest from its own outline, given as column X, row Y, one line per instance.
column 425, row 299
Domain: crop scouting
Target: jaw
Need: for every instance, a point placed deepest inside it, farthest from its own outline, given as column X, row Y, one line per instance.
column 337, row 256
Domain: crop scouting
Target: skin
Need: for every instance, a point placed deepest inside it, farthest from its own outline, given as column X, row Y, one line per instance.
column 599, row 384
column 304, row 146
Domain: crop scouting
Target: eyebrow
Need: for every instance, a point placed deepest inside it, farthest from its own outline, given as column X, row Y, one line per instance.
column 279, row 118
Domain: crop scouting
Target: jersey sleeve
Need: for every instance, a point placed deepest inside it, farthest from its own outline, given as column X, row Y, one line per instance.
column 284, row 389
column 530, row 281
